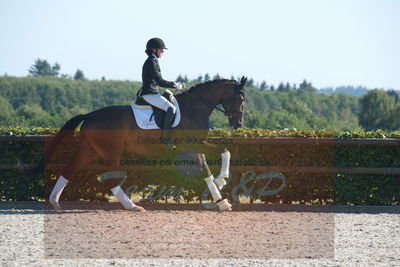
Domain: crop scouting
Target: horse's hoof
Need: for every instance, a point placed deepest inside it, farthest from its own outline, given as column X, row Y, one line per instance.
column 229, row 209
column 56, row 206
column 224, row 205
column 138, row 209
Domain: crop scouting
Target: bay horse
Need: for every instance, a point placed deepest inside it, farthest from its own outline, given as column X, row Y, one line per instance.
column 107, row 132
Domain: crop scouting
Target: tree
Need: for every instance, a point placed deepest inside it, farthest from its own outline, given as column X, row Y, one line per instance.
column 376, row 109
column 206, row 77
column 217, row 77
column 7, row 113
column 281, row 87
column 79, row 75
column 394, row 94
column 43, row 68
column 199, row 79
column 180, row 79
column 393, row 121
column 306, row 87
column 263, row 85
column 66, row 76
column 287, row 87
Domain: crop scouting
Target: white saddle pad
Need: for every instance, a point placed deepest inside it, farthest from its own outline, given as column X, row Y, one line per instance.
column 143, row 114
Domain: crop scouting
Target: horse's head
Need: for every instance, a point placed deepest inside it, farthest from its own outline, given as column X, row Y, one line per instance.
column 199, row 101
column 233, row 103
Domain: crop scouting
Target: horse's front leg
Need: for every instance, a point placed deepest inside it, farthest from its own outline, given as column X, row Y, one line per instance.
column 223, row 204
column 207, row 149
column 224, row 172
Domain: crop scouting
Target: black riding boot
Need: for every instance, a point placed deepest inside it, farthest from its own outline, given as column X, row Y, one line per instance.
column 167, row 126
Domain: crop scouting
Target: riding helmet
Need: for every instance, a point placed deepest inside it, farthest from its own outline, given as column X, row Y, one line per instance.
column 155, row 43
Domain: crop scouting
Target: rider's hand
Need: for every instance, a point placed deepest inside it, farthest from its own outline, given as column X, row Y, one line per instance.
column 179, row 86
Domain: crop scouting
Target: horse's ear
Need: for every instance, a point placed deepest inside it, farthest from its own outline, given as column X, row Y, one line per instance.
column 243, row 82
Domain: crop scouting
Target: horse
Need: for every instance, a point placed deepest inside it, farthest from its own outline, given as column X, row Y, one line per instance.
column 108, row 132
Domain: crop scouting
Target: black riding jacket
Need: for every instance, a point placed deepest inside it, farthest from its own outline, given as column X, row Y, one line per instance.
column 151, row 77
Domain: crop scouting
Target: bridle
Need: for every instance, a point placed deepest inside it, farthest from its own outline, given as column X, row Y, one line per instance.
column 229, row 113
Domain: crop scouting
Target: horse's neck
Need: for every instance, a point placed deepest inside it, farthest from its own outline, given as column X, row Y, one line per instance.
column 199, row 105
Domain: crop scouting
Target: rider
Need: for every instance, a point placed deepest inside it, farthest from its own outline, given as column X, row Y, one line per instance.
column 151, row 76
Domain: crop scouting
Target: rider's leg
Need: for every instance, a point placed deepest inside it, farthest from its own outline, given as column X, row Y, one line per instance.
column 167, row 126
column 162, row 103
column 168, row 120
column 159, row 101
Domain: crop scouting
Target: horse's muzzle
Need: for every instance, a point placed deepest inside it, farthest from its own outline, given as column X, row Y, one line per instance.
column 239, row 125
column 236, row 125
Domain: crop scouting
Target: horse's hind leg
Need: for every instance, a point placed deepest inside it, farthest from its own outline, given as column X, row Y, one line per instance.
column 86, row 155
column 110, row 145
column 112, row 179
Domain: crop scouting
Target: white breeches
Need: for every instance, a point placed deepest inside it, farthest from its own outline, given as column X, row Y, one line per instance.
column 159, row 101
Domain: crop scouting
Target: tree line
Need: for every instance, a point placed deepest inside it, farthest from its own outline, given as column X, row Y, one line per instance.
column 48, row 98
column 43, row 68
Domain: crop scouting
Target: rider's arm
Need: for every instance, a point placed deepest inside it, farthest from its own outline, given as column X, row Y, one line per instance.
column 157, row 76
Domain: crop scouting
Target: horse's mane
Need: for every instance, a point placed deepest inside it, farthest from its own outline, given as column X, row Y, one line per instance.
column 200, row 85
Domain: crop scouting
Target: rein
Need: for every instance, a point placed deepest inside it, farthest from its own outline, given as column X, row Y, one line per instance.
column 228, row 113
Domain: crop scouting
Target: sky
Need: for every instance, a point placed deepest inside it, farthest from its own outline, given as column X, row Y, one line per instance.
column 327, row 42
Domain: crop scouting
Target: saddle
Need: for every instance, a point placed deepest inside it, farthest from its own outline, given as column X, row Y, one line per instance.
column 151, row 117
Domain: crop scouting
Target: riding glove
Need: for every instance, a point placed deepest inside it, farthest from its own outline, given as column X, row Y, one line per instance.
column 179, row 86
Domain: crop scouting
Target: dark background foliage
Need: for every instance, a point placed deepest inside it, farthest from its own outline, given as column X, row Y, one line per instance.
column 50, row 101
column 325, row 188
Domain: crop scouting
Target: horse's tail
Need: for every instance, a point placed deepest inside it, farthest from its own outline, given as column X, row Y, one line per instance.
column 67, row 131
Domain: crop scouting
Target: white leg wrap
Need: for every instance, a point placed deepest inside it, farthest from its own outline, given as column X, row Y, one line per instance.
column 216, row 195
column 224, row 173
column 122, row 197
column 57, row 190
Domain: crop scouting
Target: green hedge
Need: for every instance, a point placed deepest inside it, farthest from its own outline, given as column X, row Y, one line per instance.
column 324, row 188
